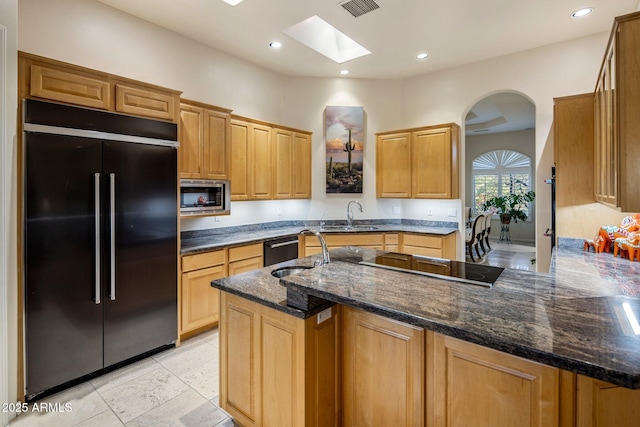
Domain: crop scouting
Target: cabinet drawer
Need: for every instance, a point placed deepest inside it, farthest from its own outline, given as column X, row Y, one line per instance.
column 245, row 265
column 206, row 259
column 390, row 239
column 347, row 239
column 62, row 86
column 144, row 102
column 423, row 240
column 244, row 252
column 419, row 250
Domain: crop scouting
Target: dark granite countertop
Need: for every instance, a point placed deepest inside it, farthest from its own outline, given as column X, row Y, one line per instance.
column 192, row 242
column 572, row 318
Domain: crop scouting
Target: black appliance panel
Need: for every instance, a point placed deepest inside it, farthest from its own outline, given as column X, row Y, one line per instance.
column 280, row 250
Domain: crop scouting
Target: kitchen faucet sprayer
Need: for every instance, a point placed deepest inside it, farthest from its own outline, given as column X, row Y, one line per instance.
column 323, row 243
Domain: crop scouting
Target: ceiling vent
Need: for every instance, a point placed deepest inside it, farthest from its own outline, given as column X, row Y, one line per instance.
column 359, row 7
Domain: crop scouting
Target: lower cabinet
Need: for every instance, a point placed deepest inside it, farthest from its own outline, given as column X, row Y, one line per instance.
column 245, row 258
column 601, row 404
column 276, row 369
column 383, row 371
column 199, row 302
column 476, row 386
column 429, row 245
column 338, row 240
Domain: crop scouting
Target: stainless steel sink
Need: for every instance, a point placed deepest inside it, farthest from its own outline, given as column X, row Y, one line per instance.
column 347, row 228
column 288, row 271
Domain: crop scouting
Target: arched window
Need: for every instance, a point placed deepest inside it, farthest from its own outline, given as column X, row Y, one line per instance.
column 498, row 173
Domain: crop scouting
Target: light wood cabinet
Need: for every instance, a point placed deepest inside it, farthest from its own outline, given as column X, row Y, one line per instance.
column 338, row 240
column 48, row 79
column 393, row 165
column 391, row 242
column 383, row 371
column 429, row 245
column 251, row 154
column 245, row 258
column 199, row 302
column 601, row 404
column 291, row 164
column 204, row 141
column 481, row 387
column 276, row 369
column 617, row 107
column 420, row 163
column 573, row 149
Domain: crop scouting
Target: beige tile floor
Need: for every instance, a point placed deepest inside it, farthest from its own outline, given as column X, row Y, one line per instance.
column 178, row 387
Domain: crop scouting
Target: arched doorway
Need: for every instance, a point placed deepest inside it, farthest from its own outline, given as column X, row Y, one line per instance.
column 500, row 140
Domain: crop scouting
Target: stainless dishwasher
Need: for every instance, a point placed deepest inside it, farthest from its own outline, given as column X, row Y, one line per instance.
column 281, row 249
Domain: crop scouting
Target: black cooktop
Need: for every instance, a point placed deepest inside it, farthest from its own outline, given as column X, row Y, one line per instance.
column 476, row 274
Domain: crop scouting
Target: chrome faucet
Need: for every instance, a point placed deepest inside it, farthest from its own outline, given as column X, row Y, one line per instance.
column 350, row 213
column 323, row 243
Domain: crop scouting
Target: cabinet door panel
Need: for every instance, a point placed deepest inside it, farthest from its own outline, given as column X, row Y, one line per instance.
column 383, row 373
column 482, row 387
column 145, row 102
column 199, row 300
column 190, row 142
column 393, row 165
column 239, row 160
column 431, row 171
column 63, row 86
column 245, row 265
column 283, row 159
column 215, row 150
column 601, row 404
column 260, row 171
column 301, row 166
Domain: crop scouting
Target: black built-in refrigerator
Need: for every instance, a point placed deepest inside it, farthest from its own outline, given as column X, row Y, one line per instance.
column 100, row 242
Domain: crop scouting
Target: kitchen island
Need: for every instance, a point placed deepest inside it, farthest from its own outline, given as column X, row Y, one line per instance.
column 534, row 349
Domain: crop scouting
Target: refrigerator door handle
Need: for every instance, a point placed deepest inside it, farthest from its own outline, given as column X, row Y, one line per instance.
column 98, row 255
column 112, row 233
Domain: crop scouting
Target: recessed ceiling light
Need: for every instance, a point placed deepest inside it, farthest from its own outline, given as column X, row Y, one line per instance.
column 232, row 2
column 582, row 12
column 422, row 55
column 320, row 36
column 344, row 72
column 275, row 45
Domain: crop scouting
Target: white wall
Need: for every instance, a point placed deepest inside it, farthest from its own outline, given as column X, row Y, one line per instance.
column 8, row 251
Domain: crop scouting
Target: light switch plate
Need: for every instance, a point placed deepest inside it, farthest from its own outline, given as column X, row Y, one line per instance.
column 452, row 212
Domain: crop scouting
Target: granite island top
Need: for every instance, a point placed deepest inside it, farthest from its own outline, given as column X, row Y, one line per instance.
column 192, row 242
column 575, row 318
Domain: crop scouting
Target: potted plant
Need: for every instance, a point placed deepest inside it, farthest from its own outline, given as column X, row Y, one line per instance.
column 510, row 206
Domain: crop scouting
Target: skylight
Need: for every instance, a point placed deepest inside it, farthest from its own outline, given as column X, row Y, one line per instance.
column 320, row 36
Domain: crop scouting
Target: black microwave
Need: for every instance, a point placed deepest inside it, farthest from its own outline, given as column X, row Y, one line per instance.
column 204, row 197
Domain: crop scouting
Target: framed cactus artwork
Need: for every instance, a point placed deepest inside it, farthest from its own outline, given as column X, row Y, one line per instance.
column 344, row 136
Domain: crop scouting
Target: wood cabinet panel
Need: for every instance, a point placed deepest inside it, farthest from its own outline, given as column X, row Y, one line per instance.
column 200, row 302
column 145, row 102
column 601, row 404
column 574, row 149
column 383, row 371
column 434, row 163
column 245, row 251
column 393, row 165
column 283, row 159
column 239, row 160
column 276, row 369
column 242, row 266
column 69, row 87
column 191, row 139
column 260, row 171
column 215, row 150
column 301, row 165
column 202, row 260
column 429, row 245
column 477, row 386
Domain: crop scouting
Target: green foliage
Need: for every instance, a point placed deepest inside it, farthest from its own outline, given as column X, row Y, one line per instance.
column 511, row 204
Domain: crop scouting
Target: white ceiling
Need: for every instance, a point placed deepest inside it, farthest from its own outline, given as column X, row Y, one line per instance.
column 453, row 32
column 502, row 112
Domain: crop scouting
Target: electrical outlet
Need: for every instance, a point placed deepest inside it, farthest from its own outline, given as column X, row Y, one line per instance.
column 279, row 211
column 216, row 219
column 324, row 315
column 452, row 212
column 430, row 211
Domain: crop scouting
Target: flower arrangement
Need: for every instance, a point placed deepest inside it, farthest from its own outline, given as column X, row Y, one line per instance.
column 510, row 206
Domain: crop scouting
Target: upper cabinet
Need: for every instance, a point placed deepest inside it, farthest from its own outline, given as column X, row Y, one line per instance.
column 48, row 79
column 420, row 163
column 204, row 141
column 269, row 162
column 616, row 124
